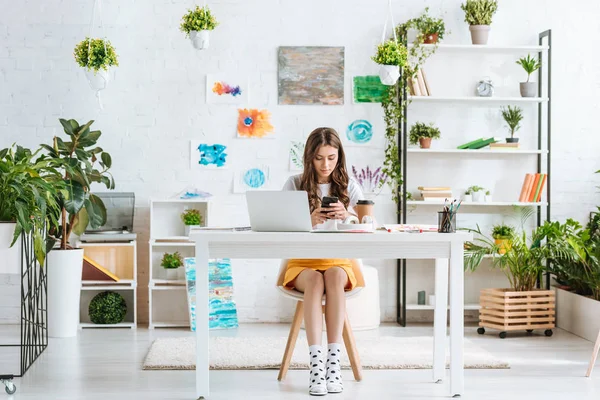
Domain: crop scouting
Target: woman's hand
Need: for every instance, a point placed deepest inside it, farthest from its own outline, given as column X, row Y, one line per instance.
column 318, row 216
column 336, row 211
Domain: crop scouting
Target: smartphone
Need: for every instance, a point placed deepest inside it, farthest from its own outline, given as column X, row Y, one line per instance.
column 328, row 200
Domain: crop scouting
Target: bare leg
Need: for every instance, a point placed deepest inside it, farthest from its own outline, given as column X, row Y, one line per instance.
column 336, row 280
column 310, row 282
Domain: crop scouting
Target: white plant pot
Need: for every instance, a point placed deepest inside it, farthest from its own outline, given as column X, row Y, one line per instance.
column 172, row 274
column 389, row 74
column 488, row 198
column 188, row 228
column 467, row 198
column 477, row 196
column 577, row 314
column 181, row 273
column 479, row 33
column 200, row 39
column 64, row 269
column 98, row 80
column 10, row 256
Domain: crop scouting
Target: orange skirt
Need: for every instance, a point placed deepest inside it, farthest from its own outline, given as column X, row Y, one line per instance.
column 296, row 266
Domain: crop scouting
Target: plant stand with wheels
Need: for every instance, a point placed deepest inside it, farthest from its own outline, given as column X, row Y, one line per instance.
column 9, row 386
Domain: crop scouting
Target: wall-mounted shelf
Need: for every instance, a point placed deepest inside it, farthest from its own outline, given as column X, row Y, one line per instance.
column 475, row 99
column 484, row 47
column 478, row 204
column 484, row 152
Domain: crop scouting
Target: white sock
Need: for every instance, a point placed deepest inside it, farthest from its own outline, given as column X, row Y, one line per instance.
column 316, row 383
column 334, row 369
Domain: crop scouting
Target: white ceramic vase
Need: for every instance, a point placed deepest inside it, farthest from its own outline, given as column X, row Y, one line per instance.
column 389, row 74
column 64, row 269
column 200, row 39
column 98, row 80
column 10, row 256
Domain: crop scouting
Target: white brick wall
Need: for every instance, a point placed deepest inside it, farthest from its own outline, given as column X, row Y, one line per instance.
column 155, row 103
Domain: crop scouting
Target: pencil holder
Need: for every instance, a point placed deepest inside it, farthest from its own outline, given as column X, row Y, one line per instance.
column 446, row 222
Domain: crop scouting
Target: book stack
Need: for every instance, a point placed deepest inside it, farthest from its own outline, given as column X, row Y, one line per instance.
column 418, row 85
column 477, row 144
column 435, row 193
column 532, row 189
column 504, row 146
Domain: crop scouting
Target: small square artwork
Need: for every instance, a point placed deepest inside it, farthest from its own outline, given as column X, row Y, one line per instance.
column 253, row 178
column 311, row 75
column 359, row 132
column 371, row 180
column 226, row 89
column 222, row 311
column 369, row 89
column 296, row 155
column 204, row 155
column 253, row 123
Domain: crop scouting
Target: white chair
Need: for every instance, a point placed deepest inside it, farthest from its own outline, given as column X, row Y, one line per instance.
column 347, row 333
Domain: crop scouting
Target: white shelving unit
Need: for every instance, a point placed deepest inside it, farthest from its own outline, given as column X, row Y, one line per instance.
column 485, row 47
column 120, row 258
column 479, row 204
column 167, row 299
column 475, row 99
column 485, row 152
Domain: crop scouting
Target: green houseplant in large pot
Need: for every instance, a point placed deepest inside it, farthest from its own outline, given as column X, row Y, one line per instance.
column 77, row 159
column 27, row 202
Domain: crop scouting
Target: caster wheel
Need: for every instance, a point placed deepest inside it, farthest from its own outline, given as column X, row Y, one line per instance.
column 481, row 331
column 548, row 332
column 502, row 335
column 529, row 330
column 11, row 388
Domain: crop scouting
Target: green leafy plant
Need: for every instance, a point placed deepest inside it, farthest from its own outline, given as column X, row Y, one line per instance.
column 529, row 64
column 191, row 217
column 171, row 260
column 29, row 187
column 479, row 12
column 198, row 19
column 422, row 130
column 391, row 53
column 503, row 231
column 473, row 189
column 76, row 159
column 107, row 308
column 468, row 192
column 487, row 193
column 95, row 54
column 513, row 117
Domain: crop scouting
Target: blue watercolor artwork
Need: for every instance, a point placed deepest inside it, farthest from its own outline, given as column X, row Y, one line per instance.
column 360, row 131
column 222, row 307
column 254, row 178
column 212, row 155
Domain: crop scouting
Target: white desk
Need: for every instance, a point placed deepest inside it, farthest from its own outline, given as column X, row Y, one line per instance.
column 439, row 246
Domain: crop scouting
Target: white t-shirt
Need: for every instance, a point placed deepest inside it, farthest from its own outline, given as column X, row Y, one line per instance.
column 354, row 190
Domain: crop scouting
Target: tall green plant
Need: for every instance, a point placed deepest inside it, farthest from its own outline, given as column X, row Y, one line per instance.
column 479, row 12
column 77, row 158
column 28, row 195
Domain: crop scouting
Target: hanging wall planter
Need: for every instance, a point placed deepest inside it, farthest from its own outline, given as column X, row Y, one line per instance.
column 197, row 25
column 391, row 55
column 96, row 56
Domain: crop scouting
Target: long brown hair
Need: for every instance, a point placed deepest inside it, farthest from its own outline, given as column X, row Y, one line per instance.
column 339, row 177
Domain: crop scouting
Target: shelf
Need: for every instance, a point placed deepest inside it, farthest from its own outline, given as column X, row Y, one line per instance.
column 477, row 99
column 484, row 47
column 122, row 284
column 168, row 287
column 180, row 200
column 129, row 325
column 182, row 324
column 130, row 243
column 108, row 287
column 476, row 152
column 172, row 239
column 489, row 204
column 428, row 307
column 167, row 282
column 167, row 244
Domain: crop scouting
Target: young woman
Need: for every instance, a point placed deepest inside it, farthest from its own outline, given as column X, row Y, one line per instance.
column 324, row 175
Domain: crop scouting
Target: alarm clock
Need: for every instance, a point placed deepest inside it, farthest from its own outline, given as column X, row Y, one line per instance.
column 485, row 88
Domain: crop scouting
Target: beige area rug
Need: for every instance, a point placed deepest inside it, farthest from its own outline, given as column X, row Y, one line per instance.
column 266, row 352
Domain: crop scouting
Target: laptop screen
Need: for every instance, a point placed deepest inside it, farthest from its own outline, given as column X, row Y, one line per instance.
column 119, row 212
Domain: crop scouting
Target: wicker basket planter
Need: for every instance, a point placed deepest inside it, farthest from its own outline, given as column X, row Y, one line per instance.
column 507, row 310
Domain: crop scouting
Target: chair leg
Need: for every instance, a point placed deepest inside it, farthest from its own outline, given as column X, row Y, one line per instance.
column 291, row 342
column 348, row 336
column 594, row 356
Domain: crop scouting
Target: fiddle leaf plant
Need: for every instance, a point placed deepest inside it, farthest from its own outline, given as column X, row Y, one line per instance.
column 77, row 159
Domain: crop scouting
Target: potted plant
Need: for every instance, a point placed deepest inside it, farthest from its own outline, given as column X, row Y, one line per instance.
column 391, row 56
column 172, row 263
column 488, row 196
column 530, row 65
column 502, row 235
column 468, row 196
column 477, row 193
column 478, row 14
column 423, row 134
column 96, row 56
column 513, row 117
column 192, row 219
column 431, row 30
column 197, row 24
column 77, row 160
column 27, row 201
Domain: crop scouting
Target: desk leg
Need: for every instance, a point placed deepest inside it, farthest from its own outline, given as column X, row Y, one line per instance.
column 202, row 360
column 457, row 319
column 440, row 319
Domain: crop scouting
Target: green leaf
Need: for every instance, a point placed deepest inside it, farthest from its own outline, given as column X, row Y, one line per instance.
column 106, row 160
column 67, row 126
column 76, row 198
column 93, row 136
column 39, row 247
column 50, row 150
column 81, row 221
column 96, row 211
column 3, row 153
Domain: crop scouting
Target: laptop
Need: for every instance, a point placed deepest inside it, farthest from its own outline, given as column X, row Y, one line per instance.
column 279, row 211
column 120, row 207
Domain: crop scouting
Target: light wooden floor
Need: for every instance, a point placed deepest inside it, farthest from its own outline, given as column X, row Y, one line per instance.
column 106, row 364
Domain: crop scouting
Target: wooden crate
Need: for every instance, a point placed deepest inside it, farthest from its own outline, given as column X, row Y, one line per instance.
column 507, row 310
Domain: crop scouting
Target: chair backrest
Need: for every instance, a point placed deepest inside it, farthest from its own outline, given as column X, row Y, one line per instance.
column 356, row 268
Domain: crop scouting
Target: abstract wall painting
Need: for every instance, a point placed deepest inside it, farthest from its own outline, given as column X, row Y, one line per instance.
column 311, row 75
column 368, row 89
column 253, row 123
column 226, row 89
column 252, row 178
column 296, row 155
column 204, row 155
column 222, row 308
column 359, row 132
column 370, row 180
